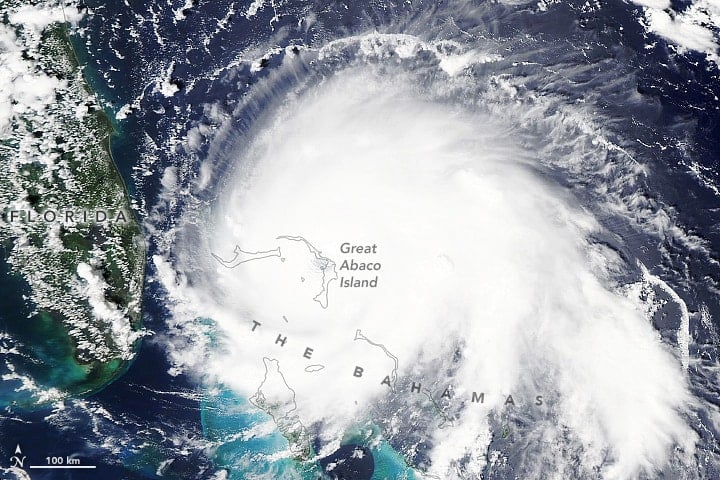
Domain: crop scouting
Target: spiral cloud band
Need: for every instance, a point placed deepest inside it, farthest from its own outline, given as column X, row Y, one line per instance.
column 376, row 245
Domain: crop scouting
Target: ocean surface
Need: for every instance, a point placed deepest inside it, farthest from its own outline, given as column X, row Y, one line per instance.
column 154, row 422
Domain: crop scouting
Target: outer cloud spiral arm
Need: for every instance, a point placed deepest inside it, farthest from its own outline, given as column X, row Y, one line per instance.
column 482, row 254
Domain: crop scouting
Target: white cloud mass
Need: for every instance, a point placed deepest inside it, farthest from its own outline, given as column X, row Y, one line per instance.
column 693, row 28
column 480, row 254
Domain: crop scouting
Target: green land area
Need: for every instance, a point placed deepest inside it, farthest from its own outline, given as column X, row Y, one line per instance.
column 72, row 252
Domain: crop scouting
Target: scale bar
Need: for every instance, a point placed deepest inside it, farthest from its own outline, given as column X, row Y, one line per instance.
column 62, row 466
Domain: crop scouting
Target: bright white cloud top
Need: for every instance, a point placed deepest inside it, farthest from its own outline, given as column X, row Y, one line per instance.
column 693, row 28
column 487, row 282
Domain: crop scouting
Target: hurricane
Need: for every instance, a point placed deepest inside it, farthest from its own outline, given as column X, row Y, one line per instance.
column 368, row 240
column 441, row 227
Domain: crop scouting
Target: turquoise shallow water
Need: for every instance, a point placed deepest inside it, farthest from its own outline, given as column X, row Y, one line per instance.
column 389, row 464
column 228, row 418
column 36, row 346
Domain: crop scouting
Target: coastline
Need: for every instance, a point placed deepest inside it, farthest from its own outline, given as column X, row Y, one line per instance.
column 84, row 279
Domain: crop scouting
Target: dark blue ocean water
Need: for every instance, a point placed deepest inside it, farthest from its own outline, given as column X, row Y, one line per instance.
column 148, row 416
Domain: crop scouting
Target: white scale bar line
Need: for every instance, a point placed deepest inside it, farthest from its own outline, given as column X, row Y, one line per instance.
column 63, row 466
